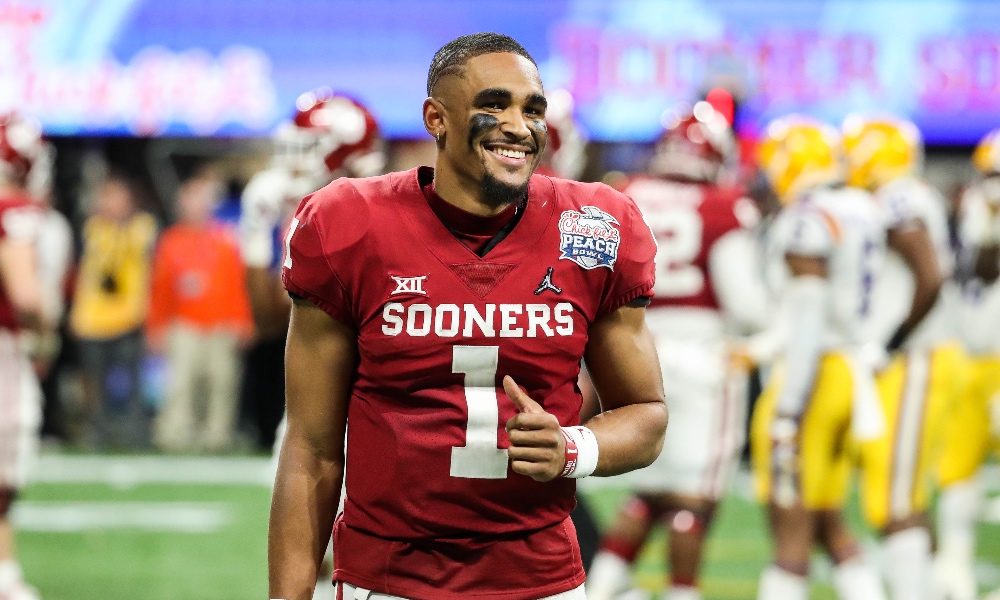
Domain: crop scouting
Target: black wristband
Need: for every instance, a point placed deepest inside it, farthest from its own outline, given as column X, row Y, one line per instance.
column 897, row 339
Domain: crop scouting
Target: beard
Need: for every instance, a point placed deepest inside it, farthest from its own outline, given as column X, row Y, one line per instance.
column 497, row 194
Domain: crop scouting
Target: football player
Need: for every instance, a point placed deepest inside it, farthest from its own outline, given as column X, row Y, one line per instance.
column 974, row 425
column 709, row 287
column 423, row 301
column 913, row 310
column 22, row 309
column 54, row 248
column 824, row 253
column 330, row 135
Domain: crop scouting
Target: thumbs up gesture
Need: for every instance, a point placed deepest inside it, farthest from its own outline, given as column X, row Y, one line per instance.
column 537, row 444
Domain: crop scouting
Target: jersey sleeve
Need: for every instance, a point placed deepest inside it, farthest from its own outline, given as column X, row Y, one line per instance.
column 811, row 232
column 635, row 271
column 307, row 269
column 20, row 223
column 737, row 273
column 977, row 225
column 898, row 205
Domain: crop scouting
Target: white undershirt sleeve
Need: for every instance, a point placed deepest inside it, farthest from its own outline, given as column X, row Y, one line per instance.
column 737, row 277
column 806, row 314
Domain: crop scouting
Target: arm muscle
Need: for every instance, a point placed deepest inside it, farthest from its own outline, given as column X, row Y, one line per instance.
column 320, row 358
column 621, row 359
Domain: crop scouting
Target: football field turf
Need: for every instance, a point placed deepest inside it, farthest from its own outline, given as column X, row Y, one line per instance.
column 131, row 528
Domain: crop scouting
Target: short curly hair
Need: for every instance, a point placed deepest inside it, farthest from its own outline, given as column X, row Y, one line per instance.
column 450, row 58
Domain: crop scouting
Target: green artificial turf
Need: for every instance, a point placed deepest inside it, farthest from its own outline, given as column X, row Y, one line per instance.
column 148, row 560
column 133, row 563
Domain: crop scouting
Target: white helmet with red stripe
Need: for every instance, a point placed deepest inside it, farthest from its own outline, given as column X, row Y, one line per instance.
column 330, row 134
column 697, row 142
column 25, row 158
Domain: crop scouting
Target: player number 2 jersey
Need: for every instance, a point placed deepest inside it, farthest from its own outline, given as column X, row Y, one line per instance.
column 687, row 220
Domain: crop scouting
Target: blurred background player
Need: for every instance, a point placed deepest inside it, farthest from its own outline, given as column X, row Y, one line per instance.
column 709, row 286
column 973, row 426
column 330, row 135
column 109, row 308
column 199, row 320
column 54, row 250
column 23, row 309
column 913, row 315
column 824, row 251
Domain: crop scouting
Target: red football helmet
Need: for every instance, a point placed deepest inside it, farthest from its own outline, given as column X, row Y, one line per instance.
column 22, row 149
column 695, row 145
column 330, row 134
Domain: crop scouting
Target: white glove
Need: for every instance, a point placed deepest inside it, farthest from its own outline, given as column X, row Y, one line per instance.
column 873, row 356
column 867, row 417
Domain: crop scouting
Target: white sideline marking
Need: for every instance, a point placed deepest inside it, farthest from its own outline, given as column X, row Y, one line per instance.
column 129, row 471
column 184, row 517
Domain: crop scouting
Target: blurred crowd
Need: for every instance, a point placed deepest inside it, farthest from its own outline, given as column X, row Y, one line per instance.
column 167, row 322
column 142, row 301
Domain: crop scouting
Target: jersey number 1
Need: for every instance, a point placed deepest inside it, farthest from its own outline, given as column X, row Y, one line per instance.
column 480, row 457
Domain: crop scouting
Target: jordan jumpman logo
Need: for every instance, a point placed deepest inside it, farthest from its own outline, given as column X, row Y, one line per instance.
column 547, row 284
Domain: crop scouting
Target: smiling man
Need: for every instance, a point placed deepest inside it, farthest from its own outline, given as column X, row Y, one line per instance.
column 447, row 311
column 487, row 165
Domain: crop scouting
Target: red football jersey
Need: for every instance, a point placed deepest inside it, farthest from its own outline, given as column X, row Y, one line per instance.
column 687, row 219
column 429, row 488
column 20, row 218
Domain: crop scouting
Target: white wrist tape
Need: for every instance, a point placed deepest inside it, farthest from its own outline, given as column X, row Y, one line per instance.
column 581, row 452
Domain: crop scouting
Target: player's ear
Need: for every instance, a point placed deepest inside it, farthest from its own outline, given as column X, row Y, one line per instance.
column 434, row 117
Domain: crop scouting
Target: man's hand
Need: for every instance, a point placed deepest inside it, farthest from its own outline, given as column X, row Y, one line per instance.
column 537, row 445
column 738, row 357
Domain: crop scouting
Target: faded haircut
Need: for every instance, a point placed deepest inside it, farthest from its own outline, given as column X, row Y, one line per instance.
column 450, row 59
